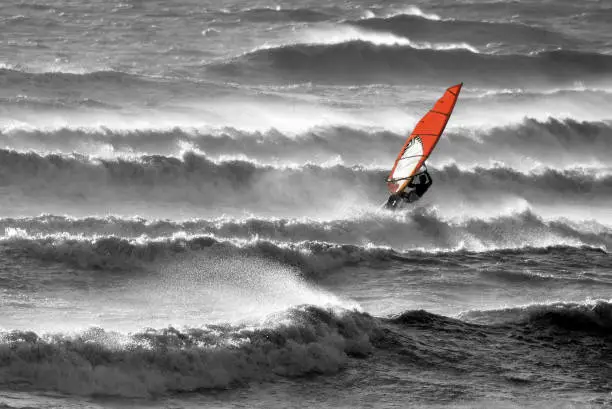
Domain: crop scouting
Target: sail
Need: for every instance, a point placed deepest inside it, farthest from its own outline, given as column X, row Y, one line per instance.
column 422, row 141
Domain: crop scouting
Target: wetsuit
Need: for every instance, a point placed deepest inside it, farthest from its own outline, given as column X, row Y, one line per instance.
column 419, row 184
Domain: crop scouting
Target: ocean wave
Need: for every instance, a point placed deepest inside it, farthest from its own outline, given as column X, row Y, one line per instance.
column 307, row 341
column 100, row 84
column 340, row 34
column 363, row 62
column 500, row 178
column 104, row 85
column 557, row 143
column 315, row 247
column 413, row 10
column 117, row 254
column 554, row 142
column 359, row 229
column 45, row 104
column 189, row 178
column 59, row 78
column 438, row 30
column 302, row 341
column 513, row 11
column 559, row 321
column 593, row 316
column 194, row 177
column 538, row 277
column 318, row 145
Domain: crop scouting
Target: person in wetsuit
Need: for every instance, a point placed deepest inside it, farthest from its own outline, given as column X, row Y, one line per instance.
column 419, row 185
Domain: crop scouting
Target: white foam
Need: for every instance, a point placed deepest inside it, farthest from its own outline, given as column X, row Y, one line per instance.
column 338, row 34
column 413, row 10
column 331, row 34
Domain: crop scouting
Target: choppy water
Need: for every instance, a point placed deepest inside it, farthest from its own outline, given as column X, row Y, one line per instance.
column 190, row 192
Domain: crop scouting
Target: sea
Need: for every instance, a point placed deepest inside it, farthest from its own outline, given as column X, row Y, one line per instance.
column 191, row 191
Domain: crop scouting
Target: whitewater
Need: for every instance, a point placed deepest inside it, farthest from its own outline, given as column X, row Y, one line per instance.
column 190, row 205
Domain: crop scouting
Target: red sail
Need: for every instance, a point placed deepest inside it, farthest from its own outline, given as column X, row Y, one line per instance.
column 422, row 141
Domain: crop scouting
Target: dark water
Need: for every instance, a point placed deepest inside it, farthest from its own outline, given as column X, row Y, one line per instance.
column 190, row 192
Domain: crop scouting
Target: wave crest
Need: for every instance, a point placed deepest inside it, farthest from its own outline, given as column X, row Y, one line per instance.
column 554, row 142
column 315, row 247
column 444, row 30
column 589, row 317
column 303, row 341
column 216, row 187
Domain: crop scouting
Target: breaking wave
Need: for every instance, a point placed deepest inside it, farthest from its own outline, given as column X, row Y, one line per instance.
column 360, row 229
column 314, row 246
column 553, row 142
column 319, row 145
column 189, row 179
column 513, row 216
column 341, row 34
column 437, row 30
column 413, row 10
column 302, row 341
column 117, row 254
column 193, row 176
column 550, row 181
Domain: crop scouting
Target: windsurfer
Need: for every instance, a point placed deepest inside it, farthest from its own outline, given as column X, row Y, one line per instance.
column 420, row 183
column 409, row 170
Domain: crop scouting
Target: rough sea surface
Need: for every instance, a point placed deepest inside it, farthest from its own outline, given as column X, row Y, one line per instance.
column 190, row 202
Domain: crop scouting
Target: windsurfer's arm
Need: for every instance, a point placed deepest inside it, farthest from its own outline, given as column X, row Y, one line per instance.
column 413, row 182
